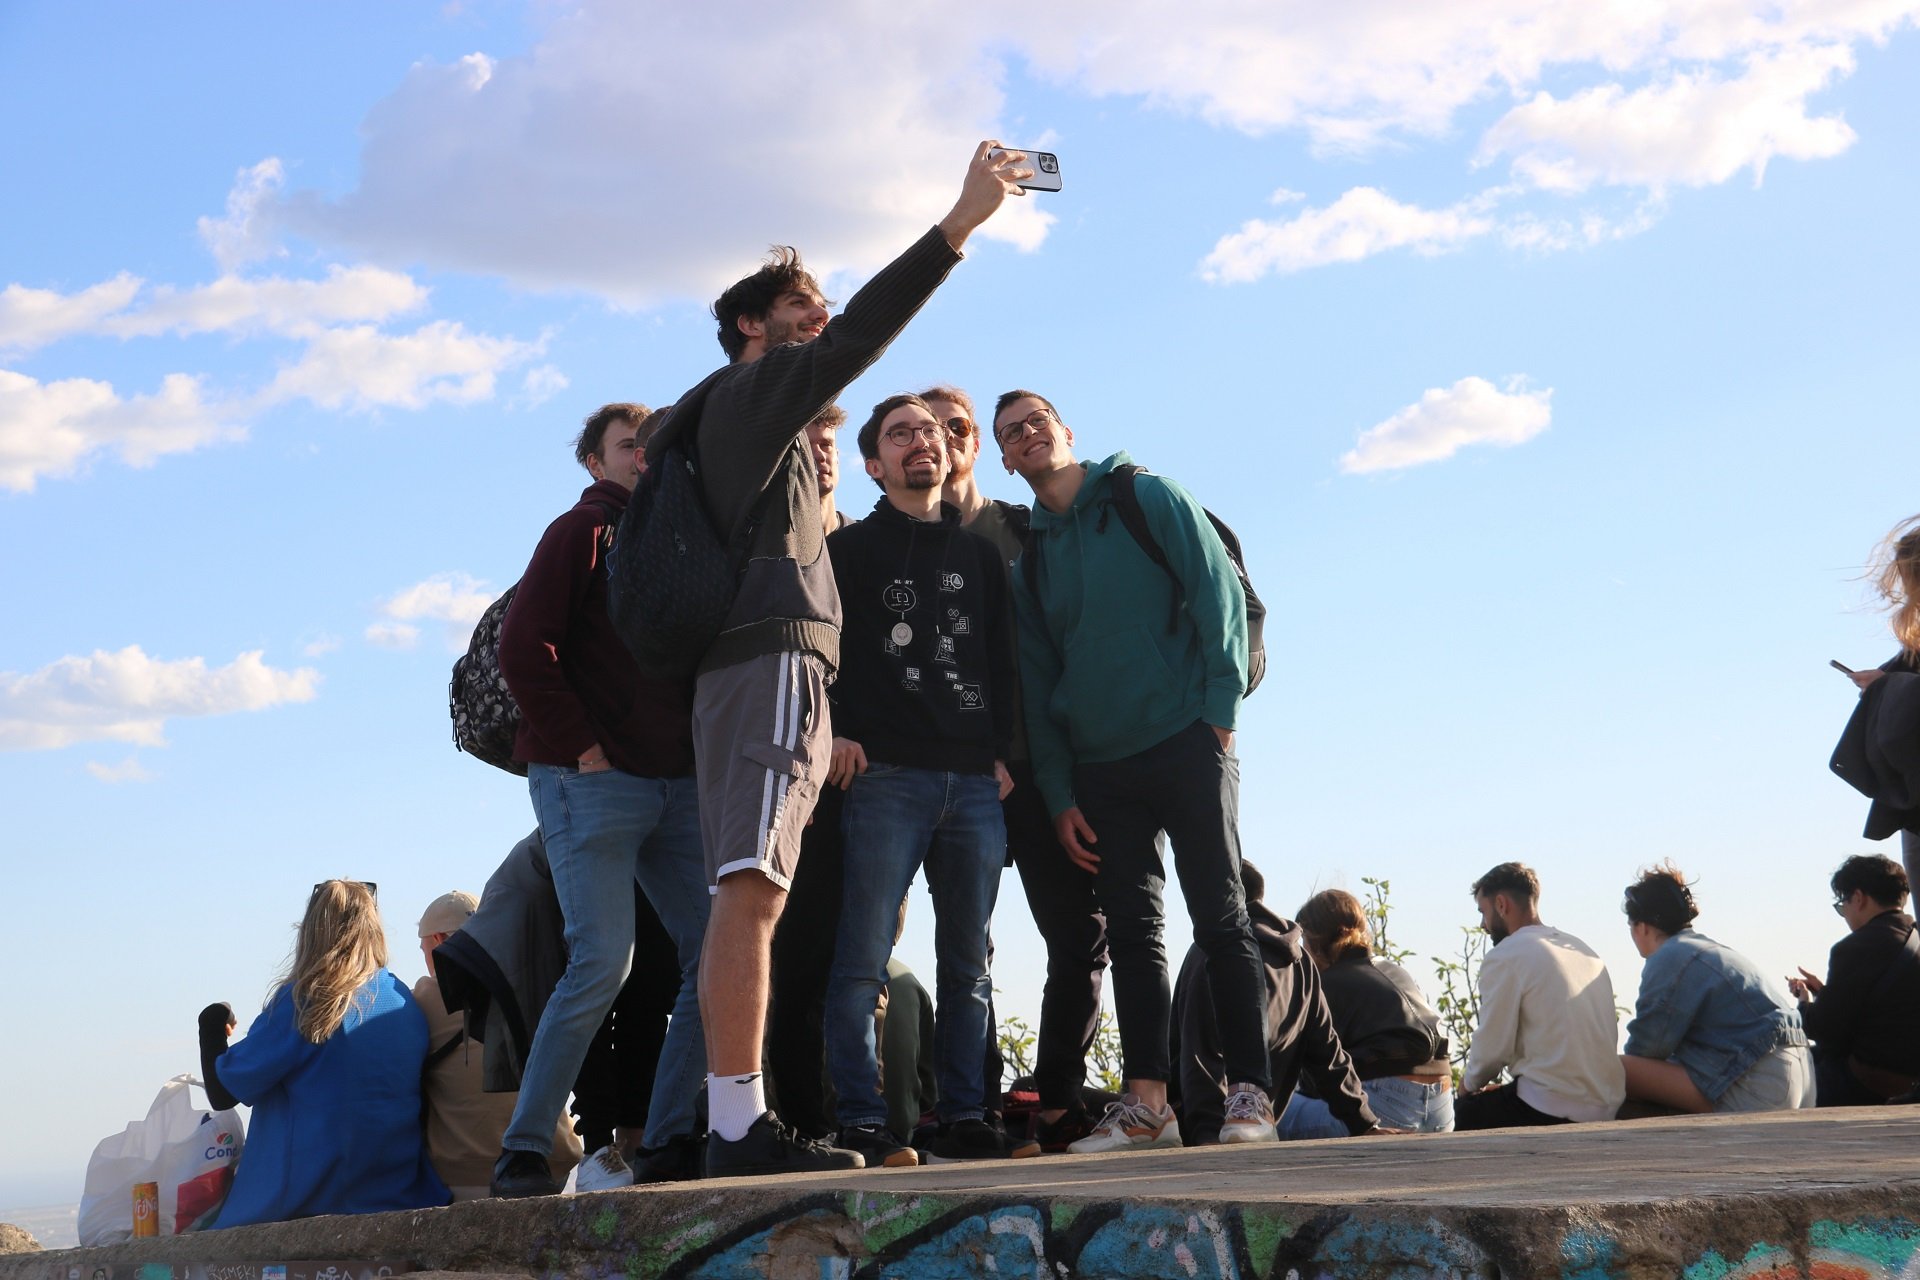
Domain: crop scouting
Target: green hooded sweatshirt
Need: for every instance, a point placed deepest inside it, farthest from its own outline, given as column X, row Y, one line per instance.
column 1102, row 675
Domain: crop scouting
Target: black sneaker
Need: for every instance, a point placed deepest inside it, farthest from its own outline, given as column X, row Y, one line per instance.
column 975, row 1140
column 877, row 1146
column 518, row 1174
column 771, row 1147
column 676, row 1160
column 1055, row 1135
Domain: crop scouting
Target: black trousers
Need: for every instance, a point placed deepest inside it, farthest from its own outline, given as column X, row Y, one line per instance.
column 615, row 1084
column 802, row 960
column 1067, row 913
column 1499, row 1109
column 1185, row 789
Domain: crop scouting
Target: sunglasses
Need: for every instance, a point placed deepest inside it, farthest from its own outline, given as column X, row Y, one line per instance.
column 373, row 890
column 960, row 428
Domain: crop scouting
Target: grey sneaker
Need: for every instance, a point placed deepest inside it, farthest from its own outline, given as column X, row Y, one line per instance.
column 1249, row 1115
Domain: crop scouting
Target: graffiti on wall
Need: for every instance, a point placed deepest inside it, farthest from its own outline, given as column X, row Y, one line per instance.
column 865, row 1236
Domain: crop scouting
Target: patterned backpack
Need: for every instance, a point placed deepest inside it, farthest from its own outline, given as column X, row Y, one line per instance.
column 486, row 719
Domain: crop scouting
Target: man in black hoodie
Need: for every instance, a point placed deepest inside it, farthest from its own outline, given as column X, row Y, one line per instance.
column 760, row 719
column 923, row 714
column 1300, row 1034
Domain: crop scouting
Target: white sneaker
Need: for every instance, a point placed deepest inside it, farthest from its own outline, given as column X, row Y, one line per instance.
column 602, row 1171
column 1130, row 1125
column 1249, row 1115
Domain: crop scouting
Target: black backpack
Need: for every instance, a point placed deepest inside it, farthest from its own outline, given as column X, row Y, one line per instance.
column 1126, row 503
column 486, row 719
column 672, row 579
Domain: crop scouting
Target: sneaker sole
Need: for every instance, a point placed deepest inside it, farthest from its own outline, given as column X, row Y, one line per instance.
column 1242, row 1139
column 774, row 1169
column 907, row 1159
column 1159, row 1140
column 1023, row 1151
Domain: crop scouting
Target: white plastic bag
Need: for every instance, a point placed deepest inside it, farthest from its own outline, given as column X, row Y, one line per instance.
column 188, row 1151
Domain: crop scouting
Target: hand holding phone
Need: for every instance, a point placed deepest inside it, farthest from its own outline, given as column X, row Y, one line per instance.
column 1837, row 665
column 1046, row 170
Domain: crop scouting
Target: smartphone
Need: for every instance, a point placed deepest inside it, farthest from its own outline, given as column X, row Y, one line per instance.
column 1045, row 165
column 1837, row 666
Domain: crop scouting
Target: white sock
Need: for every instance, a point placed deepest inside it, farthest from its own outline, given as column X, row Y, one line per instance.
column 733, row 1104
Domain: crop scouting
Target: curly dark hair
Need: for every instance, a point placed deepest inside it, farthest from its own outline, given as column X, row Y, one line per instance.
column 1882, row 879
column 1662, row 899
column 754, row 296
column 594, row 431
column 1515, row 879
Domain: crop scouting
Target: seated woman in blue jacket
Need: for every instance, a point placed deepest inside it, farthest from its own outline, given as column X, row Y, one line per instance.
column 331, row 1068
column 1709, row 1032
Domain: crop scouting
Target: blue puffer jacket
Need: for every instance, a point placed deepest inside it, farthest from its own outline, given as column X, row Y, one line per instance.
column 1711, row 1010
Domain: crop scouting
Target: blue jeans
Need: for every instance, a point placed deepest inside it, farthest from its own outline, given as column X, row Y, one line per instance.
column 895, row 820
column 1396, row 1103
column 603, row 832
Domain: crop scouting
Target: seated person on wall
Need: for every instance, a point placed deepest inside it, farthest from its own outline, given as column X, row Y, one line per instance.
column 906, row 1038
column 1709, row 1032
column 331, row 1068
column 1865, row 1018
column 464, row 1122
column 1546, row 1018
column 1300, row 1035
column 1382, row 1019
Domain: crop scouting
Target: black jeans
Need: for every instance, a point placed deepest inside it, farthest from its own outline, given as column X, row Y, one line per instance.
column 1499, row 1108
column 615, row 1084
column 1189, row 789
column 1067, row 913
column 802, row 960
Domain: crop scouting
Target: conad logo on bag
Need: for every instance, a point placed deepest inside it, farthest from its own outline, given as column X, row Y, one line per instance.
column 222, row 1148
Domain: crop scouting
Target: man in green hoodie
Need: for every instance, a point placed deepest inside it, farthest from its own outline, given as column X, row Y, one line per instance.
column 1132, row 677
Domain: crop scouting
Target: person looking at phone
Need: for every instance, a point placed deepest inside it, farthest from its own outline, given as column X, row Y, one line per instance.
column 762, row 729
column 1059, row 894
column 1130, row 721
column 1864, row 1019
column 1894, row 571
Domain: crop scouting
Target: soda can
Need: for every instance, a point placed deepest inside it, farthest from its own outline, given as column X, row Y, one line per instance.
column 146, row 1209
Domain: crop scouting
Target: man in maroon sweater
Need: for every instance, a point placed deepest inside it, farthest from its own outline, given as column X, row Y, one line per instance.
column 609, row 756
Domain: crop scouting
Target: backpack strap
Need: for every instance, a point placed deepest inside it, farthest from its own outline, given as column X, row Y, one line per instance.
column 1126, row 503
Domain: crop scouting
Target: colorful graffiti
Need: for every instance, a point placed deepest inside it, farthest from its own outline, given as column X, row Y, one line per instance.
column 866, row 1236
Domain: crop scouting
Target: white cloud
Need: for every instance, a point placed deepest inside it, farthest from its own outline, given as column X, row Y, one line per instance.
column 55, row 428
column 454, row 599
column 542, row 383
column 1692, row 129
column 273, row 304
column 127, row 696
column 392, row 635
column 567, row 168
column 1446, row 420
column 128, row 770
column 320, row 646
column 244, row 235
column 1361, row 223
column 35, row 317
column 363, row 368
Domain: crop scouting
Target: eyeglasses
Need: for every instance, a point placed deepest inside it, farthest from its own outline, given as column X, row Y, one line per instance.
column 1840, row 905
column 1037, row 421
column 903, row 435
column 960, row 428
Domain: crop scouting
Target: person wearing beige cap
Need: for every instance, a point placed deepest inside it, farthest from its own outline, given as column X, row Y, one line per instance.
column 464, row 1123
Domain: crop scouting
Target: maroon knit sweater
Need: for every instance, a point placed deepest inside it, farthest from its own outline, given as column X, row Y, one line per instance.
column 573, row 678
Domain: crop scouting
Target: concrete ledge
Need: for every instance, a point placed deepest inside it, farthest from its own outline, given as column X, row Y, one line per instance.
column 1826, row 1195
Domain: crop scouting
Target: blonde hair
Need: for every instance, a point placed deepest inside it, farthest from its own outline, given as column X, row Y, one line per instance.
column 340, row 944
column 1335, row 923
column 1895, row 574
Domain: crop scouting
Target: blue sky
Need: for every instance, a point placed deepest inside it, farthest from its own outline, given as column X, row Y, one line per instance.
column 1554, row 370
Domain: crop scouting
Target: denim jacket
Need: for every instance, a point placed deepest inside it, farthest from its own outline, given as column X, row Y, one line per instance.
column 1710, row 1010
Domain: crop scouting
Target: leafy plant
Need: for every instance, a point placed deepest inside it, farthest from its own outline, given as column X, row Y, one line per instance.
column 1377, row 903
column 1016, row 1040
column 1104, row 1059
column 1458, row 1002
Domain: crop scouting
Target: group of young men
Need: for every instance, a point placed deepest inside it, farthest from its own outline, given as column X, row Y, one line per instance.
column 885, row 662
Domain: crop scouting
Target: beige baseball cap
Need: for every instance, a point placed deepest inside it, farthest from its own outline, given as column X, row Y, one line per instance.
column 448, row 912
